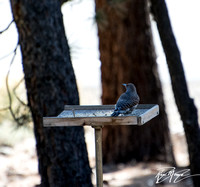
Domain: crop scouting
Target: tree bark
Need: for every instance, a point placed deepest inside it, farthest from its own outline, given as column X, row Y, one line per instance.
column 50, row 84
column 127, row 55
column 185, row 104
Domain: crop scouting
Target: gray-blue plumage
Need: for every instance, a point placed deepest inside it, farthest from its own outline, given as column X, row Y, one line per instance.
column 128, row 101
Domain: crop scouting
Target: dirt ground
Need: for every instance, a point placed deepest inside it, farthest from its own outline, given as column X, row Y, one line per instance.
column 18, row 167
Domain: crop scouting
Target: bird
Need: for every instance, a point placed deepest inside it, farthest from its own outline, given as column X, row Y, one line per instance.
column 128, row 101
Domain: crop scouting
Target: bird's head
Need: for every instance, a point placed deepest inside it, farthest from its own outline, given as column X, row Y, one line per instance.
column 130, row 87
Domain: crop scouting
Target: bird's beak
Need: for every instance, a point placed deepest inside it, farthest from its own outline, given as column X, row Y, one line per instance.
column 124, row 85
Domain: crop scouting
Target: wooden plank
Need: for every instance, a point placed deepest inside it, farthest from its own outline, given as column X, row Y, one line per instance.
column 89, row 107
column 148, row 115
column 55, row 121
column 102, row 107
column 122, row 120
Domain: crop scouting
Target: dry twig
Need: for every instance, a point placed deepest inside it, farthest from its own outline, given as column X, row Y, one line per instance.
column 7, row 27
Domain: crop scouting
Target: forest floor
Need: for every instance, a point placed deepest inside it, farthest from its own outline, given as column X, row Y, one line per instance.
column 19, row 167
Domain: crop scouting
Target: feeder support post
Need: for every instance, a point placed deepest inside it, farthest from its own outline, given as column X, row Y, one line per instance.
column 98, row 154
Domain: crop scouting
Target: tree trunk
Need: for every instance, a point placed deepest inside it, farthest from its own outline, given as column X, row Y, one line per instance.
column 128, row 55
column 184, row 103
column 50, row 84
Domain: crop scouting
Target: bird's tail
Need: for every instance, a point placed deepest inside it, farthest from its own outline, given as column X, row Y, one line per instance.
column 115, row 113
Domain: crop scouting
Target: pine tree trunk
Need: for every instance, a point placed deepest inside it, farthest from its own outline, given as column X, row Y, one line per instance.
column 50, row 84
column 184, row 103
column 127, row 54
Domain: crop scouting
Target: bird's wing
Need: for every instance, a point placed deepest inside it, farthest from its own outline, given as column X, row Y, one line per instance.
column 124, row 102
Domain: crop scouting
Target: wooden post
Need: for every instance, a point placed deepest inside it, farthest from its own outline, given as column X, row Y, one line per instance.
column 98, row 155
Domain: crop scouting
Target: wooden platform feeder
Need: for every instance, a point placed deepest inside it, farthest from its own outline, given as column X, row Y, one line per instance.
column 98, row 116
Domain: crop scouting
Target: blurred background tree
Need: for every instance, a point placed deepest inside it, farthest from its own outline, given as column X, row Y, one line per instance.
column 50, row 84
column 127, row 54
column 185, row 104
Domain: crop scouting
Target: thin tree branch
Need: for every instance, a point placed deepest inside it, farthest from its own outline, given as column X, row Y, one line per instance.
column 6, row 108
column 7, row 27
column 7, row 85
column 14, row 91
column 8, row 90
column 6, row 55
column 17, row 42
